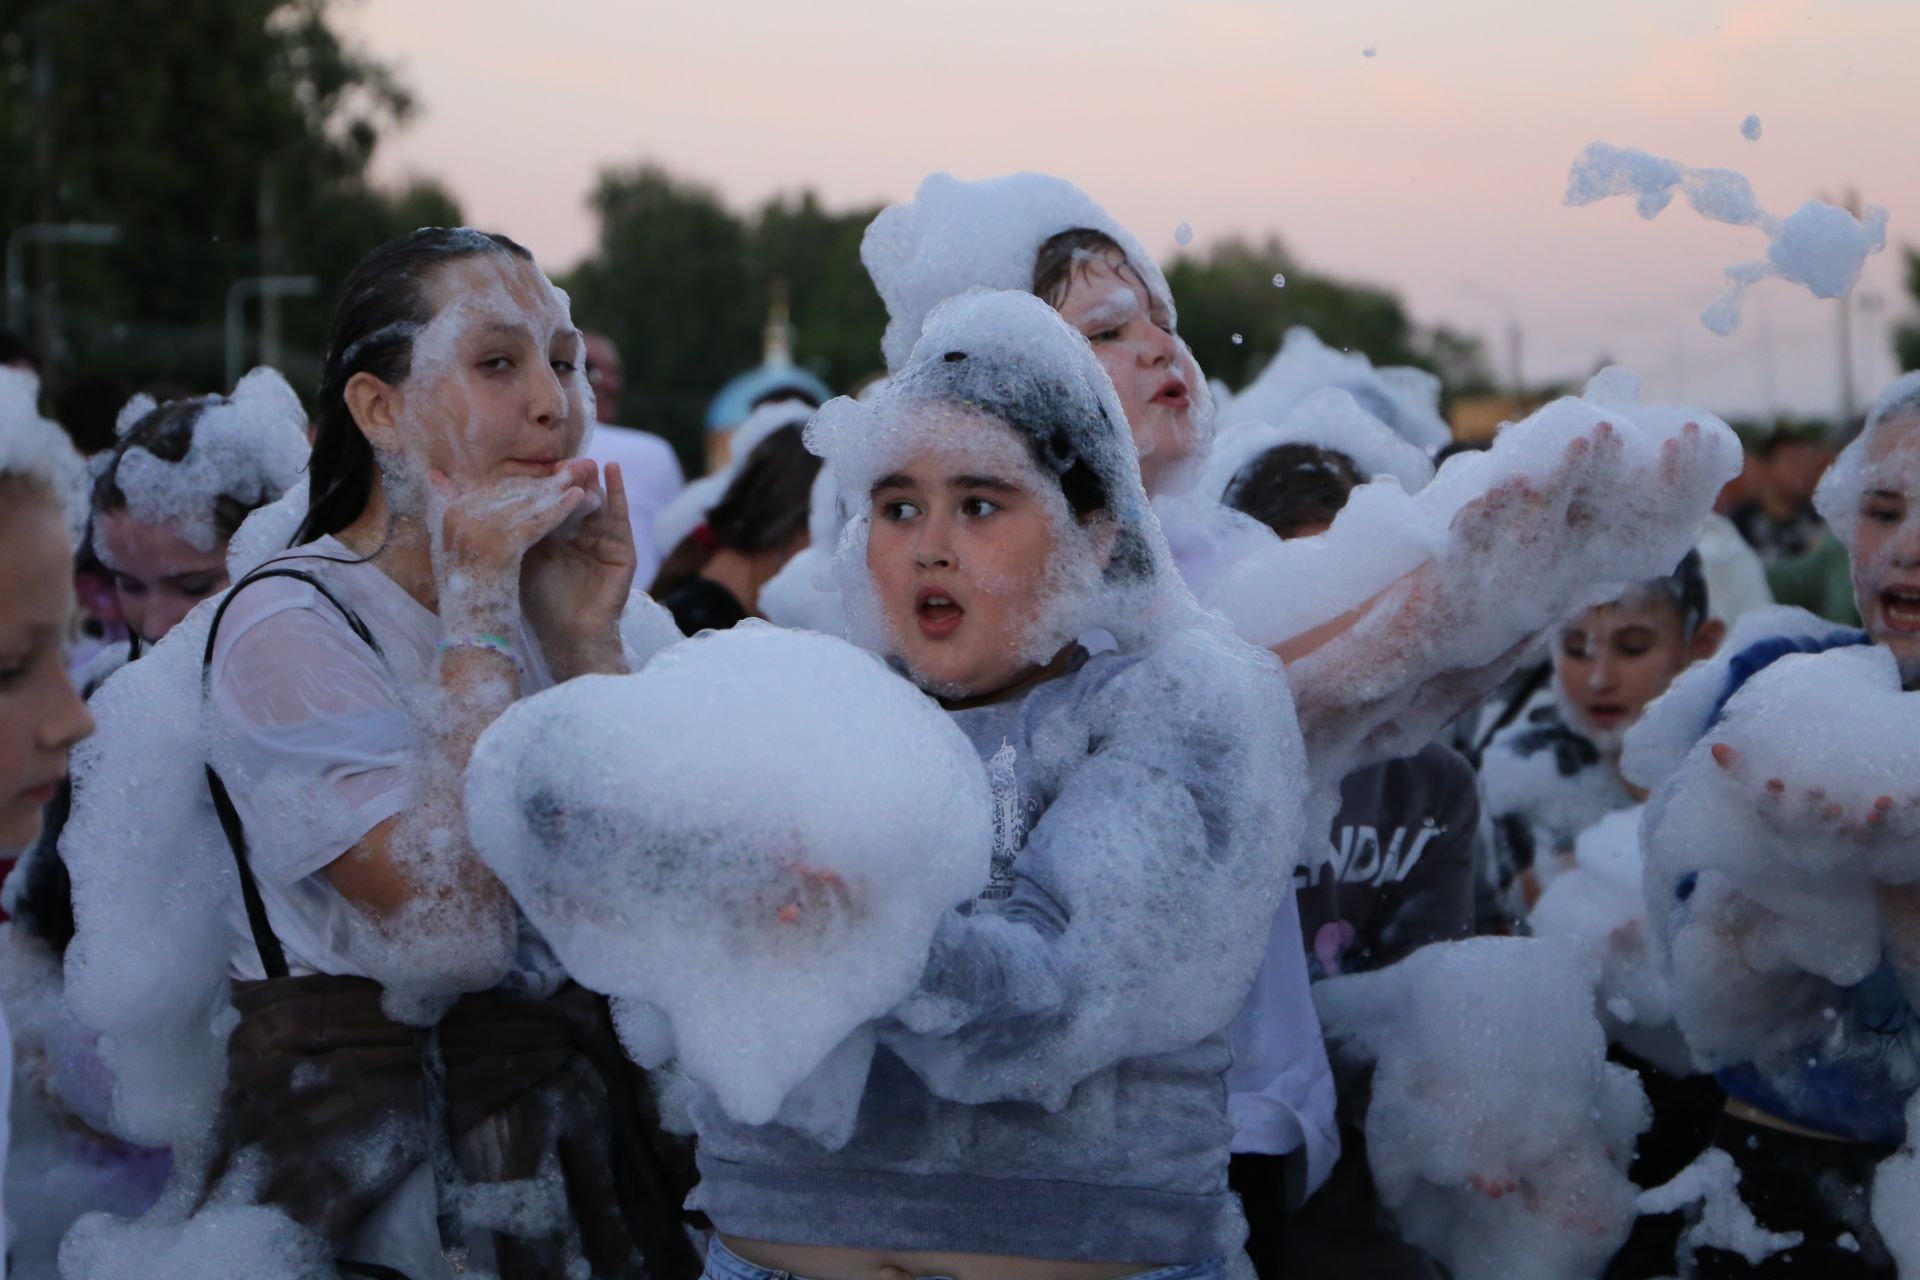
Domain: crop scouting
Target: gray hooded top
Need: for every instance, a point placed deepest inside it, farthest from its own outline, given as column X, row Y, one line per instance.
column 1054, row 1089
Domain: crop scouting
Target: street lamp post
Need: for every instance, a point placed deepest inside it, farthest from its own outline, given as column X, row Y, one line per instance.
column 257, row 287
column 1515, row 369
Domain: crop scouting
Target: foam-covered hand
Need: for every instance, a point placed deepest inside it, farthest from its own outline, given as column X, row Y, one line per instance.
column 574, row 582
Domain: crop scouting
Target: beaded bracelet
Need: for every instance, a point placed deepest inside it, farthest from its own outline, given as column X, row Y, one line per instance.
column 482, row 640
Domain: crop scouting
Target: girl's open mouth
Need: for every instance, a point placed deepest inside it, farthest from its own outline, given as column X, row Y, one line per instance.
column 1900, row 607
column 1173, row 394
column 939, row 613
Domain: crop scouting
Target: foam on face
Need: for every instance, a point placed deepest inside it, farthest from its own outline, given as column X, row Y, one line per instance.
column 1032, row 361
column 763, row 865
column 490, row 290
column 250, row 446
column 1872, row 460
column 1819, row 246
column 1406, row 399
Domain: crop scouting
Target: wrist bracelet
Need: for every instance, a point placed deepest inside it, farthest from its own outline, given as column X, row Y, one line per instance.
column 481, row 640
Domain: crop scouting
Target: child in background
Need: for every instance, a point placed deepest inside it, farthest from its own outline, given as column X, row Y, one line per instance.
column 455, row 554
column 1555, row 771
column 712, row 579
column 1398, row 874
column 1778, row 881
column 41, row 715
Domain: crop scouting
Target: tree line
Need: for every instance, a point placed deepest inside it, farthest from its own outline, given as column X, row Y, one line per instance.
column 230, row 139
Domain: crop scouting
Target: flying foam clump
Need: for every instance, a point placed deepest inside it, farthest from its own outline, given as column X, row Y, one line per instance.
column 1819, row 246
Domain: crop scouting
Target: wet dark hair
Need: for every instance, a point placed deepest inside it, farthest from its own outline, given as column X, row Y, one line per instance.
column 1062, row 426
column 1064, row 255
column 382, row 306
column 16, row 350
column 1685, row 589
column 764, row 507
column 1291, row 486
column 166, row 432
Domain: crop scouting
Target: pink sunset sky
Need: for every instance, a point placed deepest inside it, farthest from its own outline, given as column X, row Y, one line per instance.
column 1435, row 167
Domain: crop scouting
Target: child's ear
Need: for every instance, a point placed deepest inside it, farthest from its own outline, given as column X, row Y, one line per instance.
column 375, row 406
column 1707, row 637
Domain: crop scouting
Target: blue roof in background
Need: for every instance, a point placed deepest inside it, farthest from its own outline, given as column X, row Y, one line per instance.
column 736, row 399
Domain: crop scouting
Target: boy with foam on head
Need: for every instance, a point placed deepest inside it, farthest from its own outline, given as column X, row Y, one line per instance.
column 1783, row 858
column 1555, row 771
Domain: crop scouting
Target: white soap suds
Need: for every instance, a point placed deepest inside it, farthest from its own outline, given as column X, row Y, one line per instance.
column 1329, row 418
column 763, row 864
column 37, row 448
column 1498, row 1133
column 1406, row 399
column 1723, row 1220
column 250, row 446
column 1819, row 246
column 954, row 236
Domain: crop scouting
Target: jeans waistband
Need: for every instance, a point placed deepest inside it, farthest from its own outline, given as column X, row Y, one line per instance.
column 724, row 1264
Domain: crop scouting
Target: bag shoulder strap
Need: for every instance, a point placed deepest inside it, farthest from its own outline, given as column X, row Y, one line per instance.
column 273, row 958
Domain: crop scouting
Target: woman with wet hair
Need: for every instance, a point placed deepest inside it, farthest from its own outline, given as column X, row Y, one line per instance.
column 406, row 1046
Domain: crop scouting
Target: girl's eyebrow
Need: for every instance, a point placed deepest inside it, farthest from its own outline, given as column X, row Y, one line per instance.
column 894, row 481
column 1119, row 305
column 991, row 483
column 501, row 329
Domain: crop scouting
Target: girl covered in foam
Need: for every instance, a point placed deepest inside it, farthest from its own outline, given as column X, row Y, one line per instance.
column 455, row 555
column 1043, row 1094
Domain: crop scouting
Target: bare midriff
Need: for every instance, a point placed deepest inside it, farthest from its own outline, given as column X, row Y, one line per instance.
column 827, row 1262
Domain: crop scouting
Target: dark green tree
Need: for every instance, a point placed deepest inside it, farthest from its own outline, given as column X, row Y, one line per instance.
column 837, row 316
column 683, row 286
column 1235, row 316
column 1906, row 334
column 671, row 284
column 225, row 138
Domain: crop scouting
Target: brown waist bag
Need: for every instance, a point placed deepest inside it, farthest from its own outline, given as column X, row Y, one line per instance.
column 330, row 1105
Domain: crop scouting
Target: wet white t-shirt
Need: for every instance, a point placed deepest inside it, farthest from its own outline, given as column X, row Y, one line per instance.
column 317, row 739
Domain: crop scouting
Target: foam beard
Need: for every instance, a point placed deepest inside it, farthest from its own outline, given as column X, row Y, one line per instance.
column 1184, row 477
column 1609, row 741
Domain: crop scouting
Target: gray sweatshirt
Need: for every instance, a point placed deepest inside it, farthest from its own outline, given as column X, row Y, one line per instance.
column 1055, row 1087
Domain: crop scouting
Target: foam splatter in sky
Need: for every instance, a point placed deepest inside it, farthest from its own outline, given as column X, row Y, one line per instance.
column 1819, row 246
